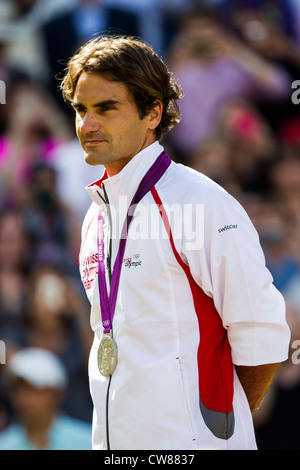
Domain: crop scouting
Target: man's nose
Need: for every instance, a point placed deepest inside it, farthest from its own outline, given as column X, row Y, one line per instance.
column 88, row 123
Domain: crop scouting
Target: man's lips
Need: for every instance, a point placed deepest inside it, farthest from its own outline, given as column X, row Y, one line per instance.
column 93, row 142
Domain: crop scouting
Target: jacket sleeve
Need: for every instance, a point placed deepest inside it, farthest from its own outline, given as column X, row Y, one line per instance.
column 230, row 267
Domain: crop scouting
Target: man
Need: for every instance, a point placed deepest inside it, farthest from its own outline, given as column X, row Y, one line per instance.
column 37, row 384
column 189, row 329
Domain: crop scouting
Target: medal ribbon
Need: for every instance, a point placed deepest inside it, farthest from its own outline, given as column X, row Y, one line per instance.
column 108, row 303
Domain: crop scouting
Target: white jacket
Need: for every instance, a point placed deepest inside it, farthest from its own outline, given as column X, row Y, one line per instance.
column 191, row 303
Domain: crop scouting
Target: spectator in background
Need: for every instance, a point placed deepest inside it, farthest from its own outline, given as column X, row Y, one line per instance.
column 23, row 19
column 14, row 269
column 284, row 177
column 240, row 152
column 274, row 225
column 214, row 67
column 52, row 226
column 13, row 279
column 251, row 142
column 58, row 321
column 11, row 76
column 277, row 422
column 65, row 33
column 158, row 19
column 42, row 306
column 35, row 127
column 265, row 29
column 37, row 386
column 284, row 190
column 282, row 11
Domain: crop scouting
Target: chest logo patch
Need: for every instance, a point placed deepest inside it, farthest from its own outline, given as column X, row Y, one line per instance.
column 132, row 262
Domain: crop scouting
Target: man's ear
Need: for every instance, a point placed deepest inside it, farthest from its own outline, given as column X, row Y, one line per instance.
column 154, row 116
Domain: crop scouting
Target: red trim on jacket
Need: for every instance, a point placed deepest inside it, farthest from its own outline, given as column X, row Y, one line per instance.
column 215, row 366
column 99, row 182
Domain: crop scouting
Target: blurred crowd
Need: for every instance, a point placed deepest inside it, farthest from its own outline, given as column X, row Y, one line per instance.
column 236, row 61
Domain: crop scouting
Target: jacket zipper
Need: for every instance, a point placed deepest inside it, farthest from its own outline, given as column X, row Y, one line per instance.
column 109, row 275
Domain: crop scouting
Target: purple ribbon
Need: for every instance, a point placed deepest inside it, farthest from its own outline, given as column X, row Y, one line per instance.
column 108, row 303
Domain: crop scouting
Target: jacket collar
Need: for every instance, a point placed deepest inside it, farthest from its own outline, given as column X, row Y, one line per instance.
column 124, row 183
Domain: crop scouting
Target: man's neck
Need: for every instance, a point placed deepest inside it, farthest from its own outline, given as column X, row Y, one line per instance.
column 38, row 432
column 114, row 168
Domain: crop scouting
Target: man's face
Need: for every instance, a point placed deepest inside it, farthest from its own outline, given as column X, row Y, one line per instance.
column 32, row 403
column 108, row 124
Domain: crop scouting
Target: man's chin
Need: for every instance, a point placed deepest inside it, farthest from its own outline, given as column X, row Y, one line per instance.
column 92, row 160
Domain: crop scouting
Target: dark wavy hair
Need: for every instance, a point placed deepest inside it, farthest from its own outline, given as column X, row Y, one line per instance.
column 130, row 61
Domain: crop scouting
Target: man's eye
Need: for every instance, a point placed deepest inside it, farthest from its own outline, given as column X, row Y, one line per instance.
column 80, row 111
column 106, row 108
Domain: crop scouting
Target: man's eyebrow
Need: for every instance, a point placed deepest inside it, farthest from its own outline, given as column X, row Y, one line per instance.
column 101, row 104
column 105, row 103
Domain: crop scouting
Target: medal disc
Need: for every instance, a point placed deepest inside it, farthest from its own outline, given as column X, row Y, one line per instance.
column 107, row 355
